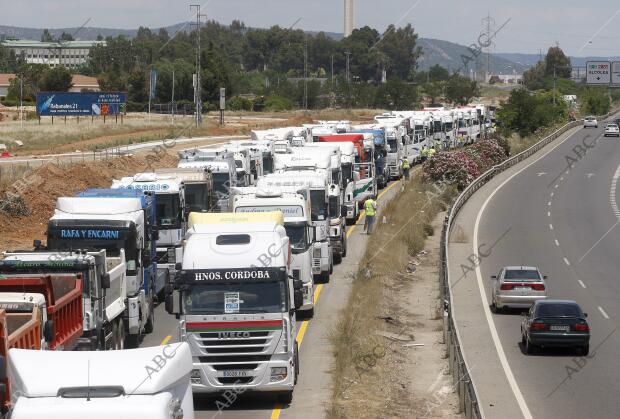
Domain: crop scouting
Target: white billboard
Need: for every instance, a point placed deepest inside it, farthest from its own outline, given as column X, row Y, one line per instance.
column 598, row 72
column 615, row 73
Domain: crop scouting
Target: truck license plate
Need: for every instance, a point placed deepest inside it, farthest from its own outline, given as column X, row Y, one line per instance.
column 235, row 373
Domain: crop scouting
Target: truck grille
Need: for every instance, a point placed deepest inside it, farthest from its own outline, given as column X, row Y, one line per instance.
column 316, row 263
column 234, row 380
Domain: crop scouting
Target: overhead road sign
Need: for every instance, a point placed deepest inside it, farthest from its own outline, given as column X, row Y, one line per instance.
column 615, row 73
column 598, row 72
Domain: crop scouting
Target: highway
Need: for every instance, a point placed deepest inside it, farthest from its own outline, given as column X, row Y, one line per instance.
column 556, row 210
column 313, row 388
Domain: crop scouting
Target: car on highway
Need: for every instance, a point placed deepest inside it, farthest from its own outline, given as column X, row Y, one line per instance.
column 517, row 287
column 555, row 323
column 590, row 121
column 617, row 121
column 612, row 130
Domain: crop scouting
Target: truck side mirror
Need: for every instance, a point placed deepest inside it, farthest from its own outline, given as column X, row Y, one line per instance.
column 178, row 266
column 155, row 233
column 298, row 285
column 37, row 245
column 172, row 302
column 343, row 211
column 48, row 331
column 105, row 281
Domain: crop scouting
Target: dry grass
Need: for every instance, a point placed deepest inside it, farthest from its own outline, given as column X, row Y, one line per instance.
column 355, row 383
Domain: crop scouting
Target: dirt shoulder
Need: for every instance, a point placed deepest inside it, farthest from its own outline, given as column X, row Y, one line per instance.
column 390, row 358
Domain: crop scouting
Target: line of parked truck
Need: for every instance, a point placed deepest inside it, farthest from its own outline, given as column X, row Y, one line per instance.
column 234, row 240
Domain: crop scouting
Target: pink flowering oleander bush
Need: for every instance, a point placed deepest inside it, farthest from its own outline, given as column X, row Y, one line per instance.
column 455, row 167
column 486, row 154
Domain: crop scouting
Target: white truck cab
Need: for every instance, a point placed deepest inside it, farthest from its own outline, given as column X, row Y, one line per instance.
column 236, row 301
column 222, row 165
column 294, row 203
column 149, row 383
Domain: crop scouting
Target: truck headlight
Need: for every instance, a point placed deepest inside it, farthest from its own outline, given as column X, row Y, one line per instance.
column 278, row 374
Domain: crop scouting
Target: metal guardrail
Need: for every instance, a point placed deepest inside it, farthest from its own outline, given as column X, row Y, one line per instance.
column 465, row 388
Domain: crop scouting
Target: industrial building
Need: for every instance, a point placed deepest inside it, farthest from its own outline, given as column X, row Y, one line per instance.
column 70, row 54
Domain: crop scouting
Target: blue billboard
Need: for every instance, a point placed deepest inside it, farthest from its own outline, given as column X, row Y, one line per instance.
column 80, row 104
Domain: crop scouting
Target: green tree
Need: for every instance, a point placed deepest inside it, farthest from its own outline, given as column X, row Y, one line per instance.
column 66, row 37
column 400, row 48
column 594, row 101
column 438, row 73
column 137, row 86
column 58, row 79
column 30, row 75
column 112, row 81
column 556, row 58
column 433, row 90
column 534, row 78
column 526, row 112
column 461, row 90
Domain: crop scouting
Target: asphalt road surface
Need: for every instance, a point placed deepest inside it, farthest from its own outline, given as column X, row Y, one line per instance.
column 557, row 210
column 313, row 388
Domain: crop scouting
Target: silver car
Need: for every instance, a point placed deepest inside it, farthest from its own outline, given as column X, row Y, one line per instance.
column 518, row 287
column 612, row 130
column 590, row 121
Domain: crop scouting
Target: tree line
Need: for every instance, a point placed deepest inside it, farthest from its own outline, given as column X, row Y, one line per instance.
column 262, row 68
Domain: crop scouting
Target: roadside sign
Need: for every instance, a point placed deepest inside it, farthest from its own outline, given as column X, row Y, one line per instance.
column 598, row 72
column 222, row 99
column 76, row 104
column 615, row 73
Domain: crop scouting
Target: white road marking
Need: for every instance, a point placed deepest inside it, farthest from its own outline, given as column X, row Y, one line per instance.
column 557, row 243
column 581, row 283
column 514, row 386
column 567, row 262
column 550, row 226
column 549, row 203
column 552, row 193
column 548, row 213
column 556, row 186
column 612, row 193
column 603, row 312
column 562, row 178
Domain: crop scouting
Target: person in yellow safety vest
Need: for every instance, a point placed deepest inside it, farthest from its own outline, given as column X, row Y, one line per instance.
column 431, row 152
column 406, row 168
column 370, row 207
column 461, row 141
column 424, row 153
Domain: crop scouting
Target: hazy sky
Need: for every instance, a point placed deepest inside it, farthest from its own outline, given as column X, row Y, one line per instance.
column 534, row 24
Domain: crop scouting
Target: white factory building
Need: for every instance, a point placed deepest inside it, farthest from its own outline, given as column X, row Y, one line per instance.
column 69, row 54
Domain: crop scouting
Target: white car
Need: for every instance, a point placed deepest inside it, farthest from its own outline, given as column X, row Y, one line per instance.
column 612, row 130
column 590, row 121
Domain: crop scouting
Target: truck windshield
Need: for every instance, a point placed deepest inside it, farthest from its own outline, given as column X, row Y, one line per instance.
column 267, row 164
column 168, row 211
column 448, row 126
column 319, row 210
column 334, row 208
column 297, row 236
column 112, row 247
column 236, row 298
column 392, row 145
column 221, row 183
column 462, row 123
column 437, row 125
column 196, row 196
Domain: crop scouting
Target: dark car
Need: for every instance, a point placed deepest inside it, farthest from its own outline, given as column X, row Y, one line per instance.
column 555, row 323
column 617, row 122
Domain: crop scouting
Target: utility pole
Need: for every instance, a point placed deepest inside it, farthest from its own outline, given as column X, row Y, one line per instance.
column 197, row 79
column 348, row 70
column 21, row 101
column 489, row 22
column 173, row 98
column 306, row 73
column 332, row 71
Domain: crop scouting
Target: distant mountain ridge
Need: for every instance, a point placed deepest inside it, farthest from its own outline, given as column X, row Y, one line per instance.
column 436, row 51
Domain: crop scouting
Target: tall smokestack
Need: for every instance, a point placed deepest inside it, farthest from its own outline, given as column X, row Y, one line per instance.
column 349, row 17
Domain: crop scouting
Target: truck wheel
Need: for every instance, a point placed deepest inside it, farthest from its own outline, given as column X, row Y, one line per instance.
column 344, row 245
column 150, row 322
column 338, row 258
column 132, row 341
column 286, row 398
column 296, row 361
column 120, row 337
column 324, row 277
column 331, row 266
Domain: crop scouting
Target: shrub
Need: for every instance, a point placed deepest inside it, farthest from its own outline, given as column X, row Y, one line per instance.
column 277, row 104
column 451, row 167
column 238, row 103
column 486, row 154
